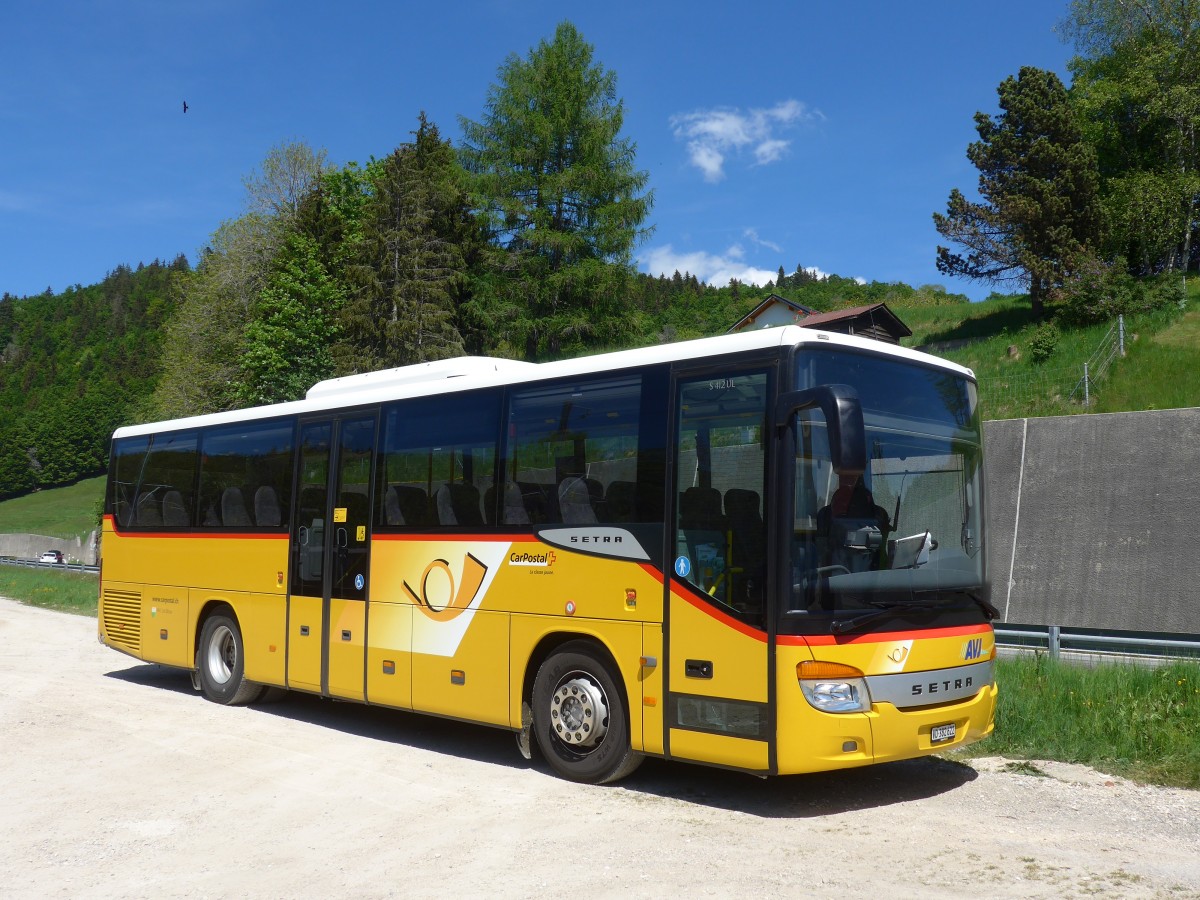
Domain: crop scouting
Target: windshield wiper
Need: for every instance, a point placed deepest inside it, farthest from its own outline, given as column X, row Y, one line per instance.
column 841, row 626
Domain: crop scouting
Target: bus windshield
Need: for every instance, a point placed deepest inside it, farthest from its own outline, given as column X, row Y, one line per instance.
column 907, row 532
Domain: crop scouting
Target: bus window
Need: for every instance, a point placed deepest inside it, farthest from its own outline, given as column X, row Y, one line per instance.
column 577, row 455
column 129, row 454
column 246, row 475
column 438, row 464
column 721, row 485
column 154, row 481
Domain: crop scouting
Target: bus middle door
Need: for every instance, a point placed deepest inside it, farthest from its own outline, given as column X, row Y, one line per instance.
column 331, row 541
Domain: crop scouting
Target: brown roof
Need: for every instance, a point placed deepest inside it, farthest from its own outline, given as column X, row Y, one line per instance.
column 873, row 311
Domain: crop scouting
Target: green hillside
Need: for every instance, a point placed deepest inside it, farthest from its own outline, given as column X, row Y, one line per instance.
column 999, row 339
column 64, row 512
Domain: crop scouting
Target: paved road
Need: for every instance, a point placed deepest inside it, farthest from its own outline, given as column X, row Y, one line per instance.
column 116, row 780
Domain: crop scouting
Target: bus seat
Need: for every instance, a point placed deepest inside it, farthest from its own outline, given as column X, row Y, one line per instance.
column 174, row 512
column 621, row 500
column 575, row 501
column 404, row 504
column 742, row 508
column 233, row 508
column 392, row 514
column 266, row 506
column 148, row 510
column 515, row 512
column 458, row 504
column 700, row 508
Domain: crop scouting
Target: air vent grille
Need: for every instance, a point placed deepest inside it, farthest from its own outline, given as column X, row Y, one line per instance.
column 122, row 619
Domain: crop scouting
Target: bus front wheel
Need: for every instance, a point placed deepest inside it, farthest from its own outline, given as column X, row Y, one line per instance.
column 220, row 658
column 579, row 716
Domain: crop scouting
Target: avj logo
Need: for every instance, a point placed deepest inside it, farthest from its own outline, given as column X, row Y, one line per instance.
column 973, row 649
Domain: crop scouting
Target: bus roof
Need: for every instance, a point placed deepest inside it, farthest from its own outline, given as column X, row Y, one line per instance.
column 467, row 372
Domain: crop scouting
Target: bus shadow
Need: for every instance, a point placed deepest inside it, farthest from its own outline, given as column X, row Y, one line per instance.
column 165, row 678
column 379, row 723
column 802, row 796
column 789, row 797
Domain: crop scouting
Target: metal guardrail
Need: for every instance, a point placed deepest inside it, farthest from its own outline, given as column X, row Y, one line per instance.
column 58, row 567
column 1056, row 641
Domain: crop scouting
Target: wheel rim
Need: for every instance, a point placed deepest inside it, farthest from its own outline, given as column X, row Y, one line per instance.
column 222, row 654
column 579, row 711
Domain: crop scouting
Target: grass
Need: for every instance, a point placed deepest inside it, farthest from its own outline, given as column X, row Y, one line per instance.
column 71, row 592
column 1132, row 721
column 65, row 512
column 1161, row 369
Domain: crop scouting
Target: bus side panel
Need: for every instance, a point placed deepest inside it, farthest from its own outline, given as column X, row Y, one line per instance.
column 260, row 618
column 304, row 640
column 653, row 699
column 472, row 682
column 347, row 648
column 623, row 640
column 251, row 563
column 389, row 662
column 165, row 617
column 719, row 749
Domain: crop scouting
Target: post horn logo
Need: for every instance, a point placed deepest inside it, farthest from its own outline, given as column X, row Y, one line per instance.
column 898, row 655
column 456, row 602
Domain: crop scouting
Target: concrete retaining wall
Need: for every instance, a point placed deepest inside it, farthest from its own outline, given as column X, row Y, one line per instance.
column 31, row 546
column 1094, row 520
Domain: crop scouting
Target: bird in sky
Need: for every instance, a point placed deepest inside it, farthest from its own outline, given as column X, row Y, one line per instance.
column 185, row 106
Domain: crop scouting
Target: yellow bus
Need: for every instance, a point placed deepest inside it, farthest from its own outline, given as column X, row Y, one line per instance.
column 762, row 551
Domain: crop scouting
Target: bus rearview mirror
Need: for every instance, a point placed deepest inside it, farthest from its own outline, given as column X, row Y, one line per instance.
column 842, row 409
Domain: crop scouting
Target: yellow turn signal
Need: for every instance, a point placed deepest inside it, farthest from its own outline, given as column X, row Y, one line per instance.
column 815, row 668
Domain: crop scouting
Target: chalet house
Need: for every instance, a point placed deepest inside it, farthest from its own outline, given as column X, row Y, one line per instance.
column 874, row 320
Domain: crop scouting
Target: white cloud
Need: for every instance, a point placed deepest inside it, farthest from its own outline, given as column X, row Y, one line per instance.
column 713, row 135
column 711, row 268
column 752, row 234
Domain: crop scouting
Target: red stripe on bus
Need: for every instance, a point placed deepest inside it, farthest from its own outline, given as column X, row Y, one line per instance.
column 710, row 610
column 458, row 538
column 205, row 535
column 829, row 640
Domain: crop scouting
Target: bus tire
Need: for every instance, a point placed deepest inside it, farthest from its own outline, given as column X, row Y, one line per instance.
column 220, row 659
column 579, row 716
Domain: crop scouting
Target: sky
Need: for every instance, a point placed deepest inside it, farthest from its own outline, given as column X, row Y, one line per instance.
column 801, row 133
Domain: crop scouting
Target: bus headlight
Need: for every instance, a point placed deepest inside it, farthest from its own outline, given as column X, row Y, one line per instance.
column 833, row 687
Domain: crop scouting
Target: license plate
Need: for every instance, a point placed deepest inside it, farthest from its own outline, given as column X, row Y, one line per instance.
column 941, row 733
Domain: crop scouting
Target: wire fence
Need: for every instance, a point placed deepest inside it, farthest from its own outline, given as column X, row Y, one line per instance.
column 1060, row 384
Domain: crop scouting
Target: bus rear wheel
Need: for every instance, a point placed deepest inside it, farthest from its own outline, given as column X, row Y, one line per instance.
column 579, row 716
column 220, row 659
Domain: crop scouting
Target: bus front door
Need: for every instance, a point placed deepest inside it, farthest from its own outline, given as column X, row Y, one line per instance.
column 331, row 546
column 718, row 652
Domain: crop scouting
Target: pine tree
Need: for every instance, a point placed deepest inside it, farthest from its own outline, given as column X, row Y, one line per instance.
column 563, row 201
column 1040, row 212
column 288, row 339
column 412, row 269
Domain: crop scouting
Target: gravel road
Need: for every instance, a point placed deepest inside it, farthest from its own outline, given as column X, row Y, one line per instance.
column 119, row 781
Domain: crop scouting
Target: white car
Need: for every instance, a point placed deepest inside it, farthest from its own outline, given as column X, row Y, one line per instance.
column 51, row 556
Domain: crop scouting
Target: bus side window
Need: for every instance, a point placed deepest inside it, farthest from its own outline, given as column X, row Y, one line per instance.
column 437, row 469
column 246, row 475
column 578, row 455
